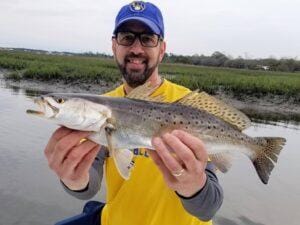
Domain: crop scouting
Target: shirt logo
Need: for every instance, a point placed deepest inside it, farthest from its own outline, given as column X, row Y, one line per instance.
column 137, row 6
column 140, row 152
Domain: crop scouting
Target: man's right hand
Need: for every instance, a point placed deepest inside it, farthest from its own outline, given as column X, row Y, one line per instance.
column 70, row 156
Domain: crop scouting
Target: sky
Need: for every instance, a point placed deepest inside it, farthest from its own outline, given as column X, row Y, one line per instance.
column 250, row 29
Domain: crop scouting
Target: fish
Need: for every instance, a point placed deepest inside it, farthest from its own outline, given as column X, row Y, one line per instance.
column 125, row 123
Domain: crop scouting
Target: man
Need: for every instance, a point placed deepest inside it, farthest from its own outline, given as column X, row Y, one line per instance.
column 165, row 188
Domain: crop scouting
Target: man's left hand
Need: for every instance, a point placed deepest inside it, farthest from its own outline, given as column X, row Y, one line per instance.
column 182, row 159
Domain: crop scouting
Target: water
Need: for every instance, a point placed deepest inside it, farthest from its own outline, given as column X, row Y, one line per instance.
column 31, row 194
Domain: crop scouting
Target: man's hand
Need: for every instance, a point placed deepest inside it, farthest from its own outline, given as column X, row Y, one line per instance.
column 70, row 156
column 182, row 159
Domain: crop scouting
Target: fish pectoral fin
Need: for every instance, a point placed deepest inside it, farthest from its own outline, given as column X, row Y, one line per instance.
column 123, row 159
column 216, row 107
column 222, row 161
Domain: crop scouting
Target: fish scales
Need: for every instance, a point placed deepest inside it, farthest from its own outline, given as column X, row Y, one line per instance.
column 146, row 119
column 126, row 123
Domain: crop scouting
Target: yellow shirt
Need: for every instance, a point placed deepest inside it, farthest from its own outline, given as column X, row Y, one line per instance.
column 144, row 199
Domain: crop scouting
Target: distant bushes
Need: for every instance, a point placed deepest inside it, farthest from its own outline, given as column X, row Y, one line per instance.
column 218, row 59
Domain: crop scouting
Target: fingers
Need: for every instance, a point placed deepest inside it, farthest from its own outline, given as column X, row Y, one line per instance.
column 86, row 163
column 62, row 147
column 182, row 151
column 160, row 164
column 163, row 152
column 182, row 159
column 76, row 155
column 70, row 157
column 193, row 143
column 56, row 136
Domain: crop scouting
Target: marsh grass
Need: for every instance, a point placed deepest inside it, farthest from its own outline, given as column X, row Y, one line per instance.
column 94, row 70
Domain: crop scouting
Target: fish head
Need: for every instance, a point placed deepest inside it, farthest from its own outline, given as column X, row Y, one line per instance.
column 71, row 111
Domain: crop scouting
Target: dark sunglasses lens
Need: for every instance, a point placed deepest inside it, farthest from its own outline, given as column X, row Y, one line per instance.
column 128, row 38
column 125, row 38
column 149, row 40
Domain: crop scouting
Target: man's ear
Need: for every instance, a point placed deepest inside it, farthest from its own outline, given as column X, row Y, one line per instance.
column 113, row 45
column 162, row 50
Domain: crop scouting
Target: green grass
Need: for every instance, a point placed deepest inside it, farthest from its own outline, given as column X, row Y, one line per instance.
column 95, row 70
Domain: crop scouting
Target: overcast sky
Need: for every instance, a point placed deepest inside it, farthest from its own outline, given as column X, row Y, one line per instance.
column 251, row 29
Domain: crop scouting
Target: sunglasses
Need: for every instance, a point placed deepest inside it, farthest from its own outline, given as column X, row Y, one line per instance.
column 146, row 40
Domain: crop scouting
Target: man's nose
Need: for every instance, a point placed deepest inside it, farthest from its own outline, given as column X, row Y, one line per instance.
column 137, row 47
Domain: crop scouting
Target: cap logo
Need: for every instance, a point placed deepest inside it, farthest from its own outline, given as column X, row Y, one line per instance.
column 137, row 6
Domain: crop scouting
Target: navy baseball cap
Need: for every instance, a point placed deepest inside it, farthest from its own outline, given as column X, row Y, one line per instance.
column 145, row 12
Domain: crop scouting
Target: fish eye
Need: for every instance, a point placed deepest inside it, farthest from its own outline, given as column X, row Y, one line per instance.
column 60, row 100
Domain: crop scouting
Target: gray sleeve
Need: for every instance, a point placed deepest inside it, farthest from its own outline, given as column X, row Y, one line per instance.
column 96, row 175
column 205, row 203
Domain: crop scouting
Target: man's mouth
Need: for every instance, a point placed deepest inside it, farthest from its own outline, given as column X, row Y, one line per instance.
column 136, row 60
column 135, row 63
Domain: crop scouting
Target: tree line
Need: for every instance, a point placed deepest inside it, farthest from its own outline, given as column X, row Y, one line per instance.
column 218, row 59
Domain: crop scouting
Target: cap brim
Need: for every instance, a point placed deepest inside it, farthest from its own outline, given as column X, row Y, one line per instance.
column 153, row 27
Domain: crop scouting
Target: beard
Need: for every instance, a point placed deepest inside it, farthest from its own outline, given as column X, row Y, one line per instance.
column 133, row 77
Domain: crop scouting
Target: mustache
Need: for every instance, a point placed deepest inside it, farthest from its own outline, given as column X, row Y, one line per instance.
column 133, row 55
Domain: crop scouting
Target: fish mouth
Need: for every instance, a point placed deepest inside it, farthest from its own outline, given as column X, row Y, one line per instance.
column 43, row 105
column 35, row 112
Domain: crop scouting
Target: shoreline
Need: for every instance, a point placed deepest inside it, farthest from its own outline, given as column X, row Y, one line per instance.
column 268, row 107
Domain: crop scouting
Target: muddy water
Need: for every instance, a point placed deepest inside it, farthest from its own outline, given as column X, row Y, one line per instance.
column 31, row 194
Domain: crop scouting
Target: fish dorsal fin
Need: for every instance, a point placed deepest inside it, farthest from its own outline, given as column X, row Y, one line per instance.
column 144, row 92
column 216, row 107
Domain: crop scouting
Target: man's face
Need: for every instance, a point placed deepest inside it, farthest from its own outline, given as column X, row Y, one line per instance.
column 136, row 62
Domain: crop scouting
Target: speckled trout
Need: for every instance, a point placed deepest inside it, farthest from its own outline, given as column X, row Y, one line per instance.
column 127, row 123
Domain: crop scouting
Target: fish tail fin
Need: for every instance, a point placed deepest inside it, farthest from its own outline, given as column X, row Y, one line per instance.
column 266, row 155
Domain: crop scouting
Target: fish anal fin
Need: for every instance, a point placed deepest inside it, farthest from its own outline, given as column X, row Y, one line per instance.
column 216, row 107
column 144, row 92
column 222, row 161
